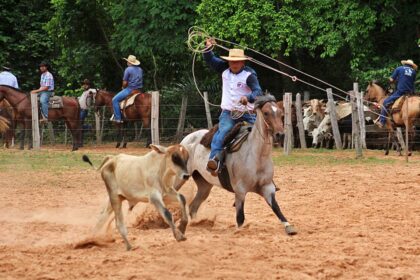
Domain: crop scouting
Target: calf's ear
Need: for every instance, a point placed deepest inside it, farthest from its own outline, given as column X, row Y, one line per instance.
column 158, row 148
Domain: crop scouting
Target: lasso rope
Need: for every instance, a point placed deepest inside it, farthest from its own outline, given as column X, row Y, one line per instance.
column 197, row 44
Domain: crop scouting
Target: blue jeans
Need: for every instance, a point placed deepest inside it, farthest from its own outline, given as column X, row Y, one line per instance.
column 226, row 123
column 387, row 102
column 44, row 97
column 116, row 102
column 83, row 115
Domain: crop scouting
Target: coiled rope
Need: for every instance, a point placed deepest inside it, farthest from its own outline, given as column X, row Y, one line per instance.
column 196, row 42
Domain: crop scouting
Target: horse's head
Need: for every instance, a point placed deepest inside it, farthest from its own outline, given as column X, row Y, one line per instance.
column 374, row 92
column 102, row 98
column 271, row 116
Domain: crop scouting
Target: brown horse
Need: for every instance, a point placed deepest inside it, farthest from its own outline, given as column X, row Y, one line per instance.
column 21, row 103
column 7, row 113
column 141, row 110
column 404, row 117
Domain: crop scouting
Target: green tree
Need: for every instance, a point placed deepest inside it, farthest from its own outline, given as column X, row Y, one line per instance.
column 23, row 41
column 336, row 40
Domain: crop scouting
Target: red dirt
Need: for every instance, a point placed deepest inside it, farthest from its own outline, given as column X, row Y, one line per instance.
column 353, row 222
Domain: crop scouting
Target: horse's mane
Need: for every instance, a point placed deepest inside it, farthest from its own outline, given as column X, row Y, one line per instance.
column 105, row 91
column 261, row 100
column 379, row 84
column 16, row 89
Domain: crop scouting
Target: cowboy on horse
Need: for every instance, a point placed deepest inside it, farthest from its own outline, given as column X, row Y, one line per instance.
column 405, row 77
column 240, row 85
column 132, row 80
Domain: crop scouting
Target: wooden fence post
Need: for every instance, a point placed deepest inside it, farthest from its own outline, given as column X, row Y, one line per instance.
column 306, row 96
column 287, row 103
column 361, row 112
column 299, row 115
column 98, row 127
column 155, row 117
column 207, row 107
column 333, row 116
column 35, row 123
column 181, row 120
column 355, row 119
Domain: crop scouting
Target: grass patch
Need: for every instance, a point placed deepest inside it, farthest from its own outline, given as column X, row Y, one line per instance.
column 328, row 157
column 44, row 160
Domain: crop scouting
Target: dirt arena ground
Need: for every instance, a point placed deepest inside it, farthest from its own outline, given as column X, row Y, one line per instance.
column 355, row 220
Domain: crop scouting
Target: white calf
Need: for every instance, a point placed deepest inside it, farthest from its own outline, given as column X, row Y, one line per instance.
column 148, row 178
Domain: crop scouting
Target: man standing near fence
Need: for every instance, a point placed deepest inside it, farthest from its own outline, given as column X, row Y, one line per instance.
column 405, row 77
column 133, row 79
column 7, row 78
column 46, row 89
column 240, row 86
column 85, row 101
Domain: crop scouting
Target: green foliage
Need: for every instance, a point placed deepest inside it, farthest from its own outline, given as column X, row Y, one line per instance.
column 23, row 41
column 146, row 27
column 354, row 31
column 79, row 30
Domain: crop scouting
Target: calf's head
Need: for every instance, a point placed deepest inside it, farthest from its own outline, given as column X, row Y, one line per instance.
column 175, row 159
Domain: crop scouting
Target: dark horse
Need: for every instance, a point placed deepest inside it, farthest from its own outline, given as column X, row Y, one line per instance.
column 141, row 110
column 21, row 103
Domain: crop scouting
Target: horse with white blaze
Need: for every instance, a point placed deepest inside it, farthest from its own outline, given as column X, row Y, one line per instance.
column 251, row 168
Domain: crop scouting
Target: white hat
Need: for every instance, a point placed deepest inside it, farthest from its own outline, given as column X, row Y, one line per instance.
column 132, row 60
column 235, row 55
column 409, row 62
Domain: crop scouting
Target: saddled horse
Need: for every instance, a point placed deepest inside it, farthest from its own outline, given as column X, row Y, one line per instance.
column 250, row 168
column 21, row 103
column 140, row 110
column 404, row 117
column 7, row 113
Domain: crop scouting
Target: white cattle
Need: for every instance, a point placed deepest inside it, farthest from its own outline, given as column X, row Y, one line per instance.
column 148, row 178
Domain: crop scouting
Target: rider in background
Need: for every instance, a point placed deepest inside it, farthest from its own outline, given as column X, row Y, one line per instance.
column 7, row 78
column 84, row 100
column 240, row 86
column 405, row 77
column 46, row 89
column 133, row 79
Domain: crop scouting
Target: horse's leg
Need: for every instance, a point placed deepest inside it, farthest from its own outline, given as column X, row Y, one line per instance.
column 118, row 126
column 203, row 191
column 75, row 132
column 269, row 194
column 22, row 137
column 388, row 143
column 124, row 135
column 239, row 205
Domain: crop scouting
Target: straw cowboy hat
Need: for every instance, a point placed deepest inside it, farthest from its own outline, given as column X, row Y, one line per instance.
column 235, row 55
column 409, row 62
column 132, row 60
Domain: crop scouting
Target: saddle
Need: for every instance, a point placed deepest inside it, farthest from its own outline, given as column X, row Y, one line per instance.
column 233, row 140
column 55, row 102
column 396, row 107
column 232, row 143
column 128, row 101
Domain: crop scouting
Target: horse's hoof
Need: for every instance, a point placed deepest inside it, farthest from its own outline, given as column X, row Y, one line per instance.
column 409, row 154
column 117, row 146
column 290, row 230
column 74, row 149
column 179, row 236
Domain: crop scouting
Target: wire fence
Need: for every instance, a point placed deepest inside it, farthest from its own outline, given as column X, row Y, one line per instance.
column 195, row 118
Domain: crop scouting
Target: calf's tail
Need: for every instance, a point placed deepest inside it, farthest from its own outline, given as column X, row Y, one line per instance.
column 86, row 159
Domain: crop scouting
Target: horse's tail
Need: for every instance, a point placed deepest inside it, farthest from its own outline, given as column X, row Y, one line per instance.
column 85, row 158
column 4, row 124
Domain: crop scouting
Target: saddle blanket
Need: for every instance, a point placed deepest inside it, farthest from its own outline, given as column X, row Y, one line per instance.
column 127, row 102
column 56, row 102
column 398, row 104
